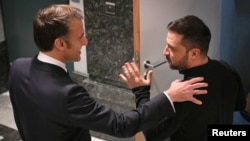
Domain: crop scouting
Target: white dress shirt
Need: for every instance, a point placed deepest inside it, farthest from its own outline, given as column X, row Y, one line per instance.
column 47, row 59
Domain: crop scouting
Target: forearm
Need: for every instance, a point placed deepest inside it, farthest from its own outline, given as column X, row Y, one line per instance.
column 142, row 95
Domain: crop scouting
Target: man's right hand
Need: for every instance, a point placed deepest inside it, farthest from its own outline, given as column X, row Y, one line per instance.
column 180, row 91
column 132, row 77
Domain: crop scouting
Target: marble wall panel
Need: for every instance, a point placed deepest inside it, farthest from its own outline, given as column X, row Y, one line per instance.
column 110, row 39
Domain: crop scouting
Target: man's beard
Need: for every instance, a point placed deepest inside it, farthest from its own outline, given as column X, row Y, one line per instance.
column 182, row 65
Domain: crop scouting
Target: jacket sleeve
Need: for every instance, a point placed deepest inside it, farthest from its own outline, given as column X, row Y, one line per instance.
column 142, row 95
column 84, row 111
column 158, row 131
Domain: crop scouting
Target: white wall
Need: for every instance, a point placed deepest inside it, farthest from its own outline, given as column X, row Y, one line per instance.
column 154, row 17
column 81, row 66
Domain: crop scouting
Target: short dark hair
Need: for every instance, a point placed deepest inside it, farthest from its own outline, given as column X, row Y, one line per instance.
column 53, row 22
column 195, row 32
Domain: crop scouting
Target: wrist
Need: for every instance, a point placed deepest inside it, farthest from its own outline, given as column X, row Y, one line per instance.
column 169, row 98
column 169, row 95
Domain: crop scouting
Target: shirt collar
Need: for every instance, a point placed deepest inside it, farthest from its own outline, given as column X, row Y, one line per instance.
column 47, row 59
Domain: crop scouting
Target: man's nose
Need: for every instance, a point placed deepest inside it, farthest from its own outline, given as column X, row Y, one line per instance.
column 165, row 51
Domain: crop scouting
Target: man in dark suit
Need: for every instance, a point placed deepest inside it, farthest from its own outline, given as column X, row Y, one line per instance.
column 49, row 106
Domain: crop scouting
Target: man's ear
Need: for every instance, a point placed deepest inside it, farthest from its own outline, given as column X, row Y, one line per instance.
column 60, row 44
column 195, row 52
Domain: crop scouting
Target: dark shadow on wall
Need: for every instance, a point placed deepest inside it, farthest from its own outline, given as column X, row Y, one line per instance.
column 18, row 17
column 235, row 37
column 4, row 67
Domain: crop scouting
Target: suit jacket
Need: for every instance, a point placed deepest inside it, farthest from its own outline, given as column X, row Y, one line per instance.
column 49, row 106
